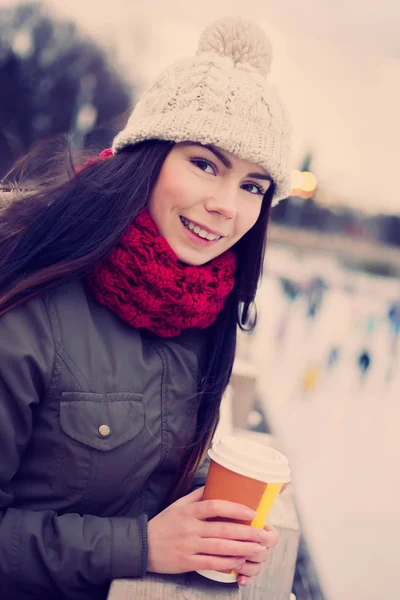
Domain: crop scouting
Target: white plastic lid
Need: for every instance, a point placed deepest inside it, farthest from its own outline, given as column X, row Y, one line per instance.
column 218, row 576
column 251, row 459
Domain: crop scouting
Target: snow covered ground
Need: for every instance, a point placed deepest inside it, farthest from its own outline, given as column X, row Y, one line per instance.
column 340, row 429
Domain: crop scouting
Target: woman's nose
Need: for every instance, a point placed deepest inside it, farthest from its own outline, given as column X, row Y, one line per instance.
column 223, row 204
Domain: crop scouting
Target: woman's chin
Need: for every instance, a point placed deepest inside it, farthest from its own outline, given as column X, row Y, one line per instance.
column 188, row 256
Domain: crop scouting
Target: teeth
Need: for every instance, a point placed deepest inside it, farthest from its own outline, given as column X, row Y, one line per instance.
column 200, row 232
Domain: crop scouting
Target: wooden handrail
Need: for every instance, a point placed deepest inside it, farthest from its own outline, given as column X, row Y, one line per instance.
column 188, row 586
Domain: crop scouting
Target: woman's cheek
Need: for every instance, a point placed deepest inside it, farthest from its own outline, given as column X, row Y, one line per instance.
column 251, row 218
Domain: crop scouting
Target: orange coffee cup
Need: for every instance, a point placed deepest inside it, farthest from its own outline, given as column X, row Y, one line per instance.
column 246, row 472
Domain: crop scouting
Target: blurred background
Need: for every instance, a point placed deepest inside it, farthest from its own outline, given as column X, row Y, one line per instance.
column 326, row 348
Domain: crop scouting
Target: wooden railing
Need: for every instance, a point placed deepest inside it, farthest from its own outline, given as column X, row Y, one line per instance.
column 275, row 582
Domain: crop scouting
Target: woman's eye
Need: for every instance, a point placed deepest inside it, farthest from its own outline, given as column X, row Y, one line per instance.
column 204, row 164
column 254, row 189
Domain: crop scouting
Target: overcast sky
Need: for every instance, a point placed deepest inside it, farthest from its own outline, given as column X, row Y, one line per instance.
column 336, row 63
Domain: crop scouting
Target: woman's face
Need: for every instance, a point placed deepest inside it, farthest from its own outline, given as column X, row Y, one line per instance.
column 205, row 200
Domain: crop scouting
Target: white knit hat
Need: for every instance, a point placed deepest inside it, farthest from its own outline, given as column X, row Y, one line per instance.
column 220, row 96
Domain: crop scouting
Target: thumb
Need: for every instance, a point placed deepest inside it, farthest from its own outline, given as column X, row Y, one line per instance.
column 194, row 496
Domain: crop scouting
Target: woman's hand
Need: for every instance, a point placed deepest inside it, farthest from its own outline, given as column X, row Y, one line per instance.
column 181, row 539
column 255, row 564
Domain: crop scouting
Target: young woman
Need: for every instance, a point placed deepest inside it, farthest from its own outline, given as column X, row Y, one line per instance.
column 121, row 290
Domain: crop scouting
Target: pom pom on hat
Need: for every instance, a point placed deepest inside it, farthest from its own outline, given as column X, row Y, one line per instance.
column 241, row 40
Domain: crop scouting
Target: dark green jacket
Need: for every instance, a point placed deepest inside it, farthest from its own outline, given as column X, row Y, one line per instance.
column 93, row 418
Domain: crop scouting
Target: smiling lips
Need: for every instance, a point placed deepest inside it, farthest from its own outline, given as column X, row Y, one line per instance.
column 199, row 231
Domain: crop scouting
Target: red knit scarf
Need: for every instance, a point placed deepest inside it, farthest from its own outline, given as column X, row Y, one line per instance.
column 145, row 284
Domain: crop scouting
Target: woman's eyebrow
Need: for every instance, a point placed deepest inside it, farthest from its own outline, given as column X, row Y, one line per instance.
column 227, row 163
column 224, row 159
column 264, row 176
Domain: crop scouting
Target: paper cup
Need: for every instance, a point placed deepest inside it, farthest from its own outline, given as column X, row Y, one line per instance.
column 249, row 473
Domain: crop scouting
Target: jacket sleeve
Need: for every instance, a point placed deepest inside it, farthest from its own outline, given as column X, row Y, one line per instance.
column 43, row 554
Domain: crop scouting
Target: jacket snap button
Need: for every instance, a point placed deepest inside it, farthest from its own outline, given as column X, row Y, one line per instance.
column 104, row 430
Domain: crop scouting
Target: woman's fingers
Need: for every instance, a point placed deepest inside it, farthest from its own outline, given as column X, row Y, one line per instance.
column 216, row 563
column 273, row 536
column 259, row 557
column 244, row 581
column 250, row 569
column 255, row 563
column 236, row 531
column 206, row 535
column 221, row 547
column 211, row 509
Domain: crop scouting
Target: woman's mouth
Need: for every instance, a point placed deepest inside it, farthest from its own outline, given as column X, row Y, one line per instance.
column 197, row 233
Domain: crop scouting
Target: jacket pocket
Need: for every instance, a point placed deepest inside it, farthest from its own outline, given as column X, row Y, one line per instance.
column 101, row 421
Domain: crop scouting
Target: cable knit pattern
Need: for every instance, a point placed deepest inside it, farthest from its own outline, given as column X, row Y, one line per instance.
column 145, row 284
column 220, row 96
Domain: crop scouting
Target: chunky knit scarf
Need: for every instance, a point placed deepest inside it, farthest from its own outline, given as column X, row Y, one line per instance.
column 146, row 285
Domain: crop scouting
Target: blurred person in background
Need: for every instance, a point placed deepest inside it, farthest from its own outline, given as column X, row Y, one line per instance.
column 121, row 289
column 54, row 81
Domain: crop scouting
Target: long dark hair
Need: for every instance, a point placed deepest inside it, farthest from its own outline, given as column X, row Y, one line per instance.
column 61, row 230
